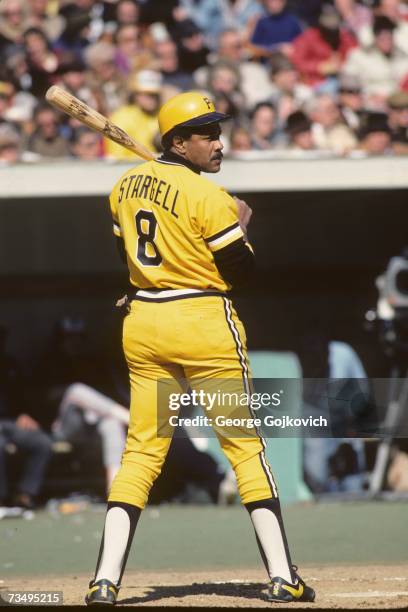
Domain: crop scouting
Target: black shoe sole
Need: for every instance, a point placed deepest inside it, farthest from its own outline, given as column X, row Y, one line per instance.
column 99, row 603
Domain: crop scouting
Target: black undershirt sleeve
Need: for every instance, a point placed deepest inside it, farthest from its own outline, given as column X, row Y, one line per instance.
column 235, row 263
column 121, row 249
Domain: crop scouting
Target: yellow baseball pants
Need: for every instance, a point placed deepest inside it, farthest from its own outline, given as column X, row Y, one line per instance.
column 194, row 338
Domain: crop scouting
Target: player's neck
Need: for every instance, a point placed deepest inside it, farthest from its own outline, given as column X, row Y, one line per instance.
column 170, row 156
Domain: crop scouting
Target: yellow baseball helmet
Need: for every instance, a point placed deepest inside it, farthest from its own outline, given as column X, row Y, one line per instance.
column 189, row 109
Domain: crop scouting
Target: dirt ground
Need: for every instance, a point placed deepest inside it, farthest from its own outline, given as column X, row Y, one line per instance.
column 368, row 587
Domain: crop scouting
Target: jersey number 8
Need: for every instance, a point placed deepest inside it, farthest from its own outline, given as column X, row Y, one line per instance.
column 146, row 233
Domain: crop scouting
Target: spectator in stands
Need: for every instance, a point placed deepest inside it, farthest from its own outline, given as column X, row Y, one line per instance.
column 288, row 92
column 86, row 144
column 397, row 12
column 276, row 30
column 224, row 79
column 127, row 12
column 357, row 17
column 13, row 22
column 16, row 107
column 299, row 130
column 21, row 430
column 46, row 140
column 16, row 65
column 130, row 55
column 329, row 130
column 351, row 101
column 169, row 66
column 104, row 79
column 214, row 16
column 374, row 135
column 139, row 117
column 398, row 122
column 169, row 13
column 255, row 84
column 264, row 129
column 380, row 66
column 72, row 77
column 318, row 53
column 10, row 144
column 42, row 62
column 39, row 17
column 84, row 19
column 75, row 36
column 240, row 140
column 128, row 46
column 193, row 52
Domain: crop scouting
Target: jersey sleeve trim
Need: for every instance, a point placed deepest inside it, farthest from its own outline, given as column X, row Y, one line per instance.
column 116, row 229
column 225, row 237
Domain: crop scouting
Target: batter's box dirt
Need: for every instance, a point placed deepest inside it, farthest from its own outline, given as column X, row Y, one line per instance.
column 337, row 587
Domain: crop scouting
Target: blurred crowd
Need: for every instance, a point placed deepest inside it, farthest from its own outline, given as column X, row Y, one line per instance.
column 295, row 75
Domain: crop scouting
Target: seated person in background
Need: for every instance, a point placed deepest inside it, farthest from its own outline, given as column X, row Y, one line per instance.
column 379, row 67
column 224, row 81
column 254, row 79
column 86, row 144
column 105, row 81
column 288, row 92
column 47, row 140
column 74, row 388
column 265, row 131
column 329, row 130
column 21, row 430
column 326, row 459
column 188, row 466
column 193, row 52
column 214, row 16
column 276, row 30
column 351, row 101
column 72, row 76
column 319, row 52
column 168, row 64
column 398, row 122
column 299, row 130
column 139, row 117
column 240, row 140
column 375, row 134
column 130, row 55
column 10, row 144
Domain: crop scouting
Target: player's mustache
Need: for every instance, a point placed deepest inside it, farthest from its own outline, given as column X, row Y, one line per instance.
column 219, row 156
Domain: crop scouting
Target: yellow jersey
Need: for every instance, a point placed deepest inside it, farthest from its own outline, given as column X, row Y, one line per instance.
column 172, row 220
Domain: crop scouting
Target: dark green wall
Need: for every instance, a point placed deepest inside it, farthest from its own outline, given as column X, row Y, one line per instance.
column 318, row 255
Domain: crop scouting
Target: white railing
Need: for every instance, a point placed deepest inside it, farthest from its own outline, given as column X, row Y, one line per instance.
column 254, row 172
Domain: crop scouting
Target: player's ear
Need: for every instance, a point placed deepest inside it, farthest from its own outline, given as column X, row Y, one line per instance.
column 179, row 144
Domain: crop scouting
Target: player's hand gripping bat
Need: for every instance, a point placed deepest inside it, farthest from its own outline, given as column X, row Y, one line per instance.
column 67, row 103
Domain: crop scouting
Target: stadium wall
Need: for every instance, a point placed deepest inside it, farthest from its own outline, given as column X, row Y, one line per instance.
column 318, row 249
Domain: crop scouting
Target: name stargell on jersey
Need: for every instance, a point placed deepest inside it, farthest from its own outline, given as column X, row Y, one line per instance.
column 158, row 192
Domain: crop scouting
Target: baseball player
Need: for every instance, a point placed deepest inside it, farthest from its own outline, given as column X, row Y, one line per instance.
column 185, row 243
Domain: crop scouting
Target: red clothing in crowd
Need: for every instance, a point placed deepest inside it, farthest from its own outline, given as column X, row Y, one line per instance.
column 310, row 50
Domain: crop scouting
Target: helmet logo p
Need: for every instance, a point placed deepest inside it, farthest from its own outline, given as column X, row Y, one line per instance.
column 208, row 102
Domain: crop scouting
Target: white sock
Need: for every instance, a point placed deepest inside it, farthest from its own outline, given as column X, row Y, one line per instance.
column 115, row 543
column 269, row 534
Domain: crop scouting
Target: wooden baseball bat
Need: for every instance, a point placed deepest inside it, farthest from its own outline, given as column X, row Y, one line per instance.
column 69, row 104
